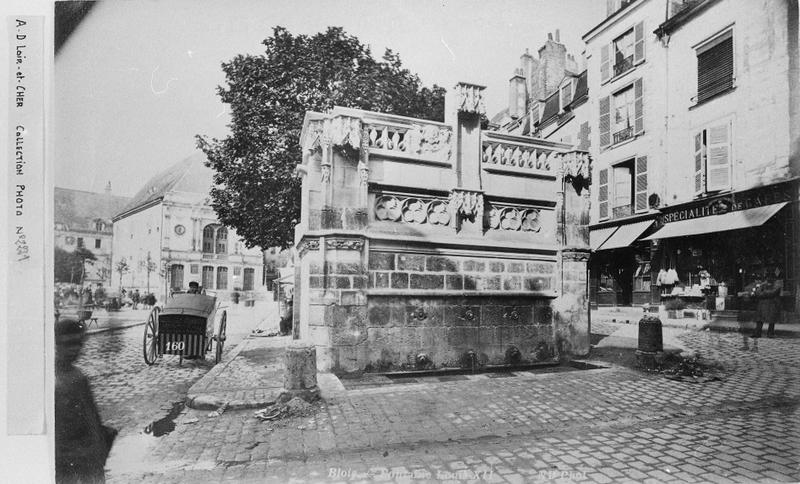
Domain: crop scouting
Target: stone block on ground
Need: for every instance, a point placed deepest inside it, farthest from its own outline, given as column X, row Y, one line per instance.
column 300, row 377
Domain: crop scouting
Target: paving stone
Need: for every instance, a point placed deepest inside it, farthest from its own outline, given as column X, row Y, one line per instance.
column 616, row 424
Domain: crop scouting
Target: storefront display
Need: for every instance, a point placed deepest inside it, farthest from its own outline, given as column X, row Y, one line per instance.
column 719, row 249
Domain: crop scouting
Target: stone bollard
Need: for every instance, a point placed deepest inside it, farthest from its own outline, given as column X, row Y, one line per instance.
column 651, row 344
column 300, row 377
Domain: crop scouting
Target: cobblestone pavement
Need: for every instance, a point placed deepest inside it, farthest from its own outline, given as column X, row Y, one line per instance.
column 599, row 425
column 131, row 394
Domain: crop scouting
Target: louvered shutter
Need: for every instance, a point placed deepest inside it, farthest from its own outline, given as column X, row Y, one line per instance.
column 605, row 65
column 638, row 106
column 719, row 157
column 638, row 43
column 640, row 180
column 699, row 164
column 715, row 69
column 602, row 193
column 605, row 121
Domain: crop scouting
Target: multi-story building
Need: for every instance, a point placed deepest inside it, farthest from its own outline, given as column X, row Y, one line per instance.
column 692, row 144
column 83, row 219
column 169, row 236
column 625, row 68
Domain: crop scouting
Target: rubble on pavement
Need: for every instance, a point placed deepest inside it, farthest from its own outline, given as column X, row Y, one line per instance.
column 296, row 407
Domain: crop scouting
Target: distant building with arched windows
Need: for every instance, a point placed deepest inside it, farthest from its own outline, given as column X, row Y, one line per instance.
column 169, row 235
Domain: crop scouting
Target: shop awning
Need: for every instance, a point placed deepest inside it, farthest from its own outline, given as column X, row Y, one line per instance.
column 597, row 237
column 626, row 235
column 741, row 219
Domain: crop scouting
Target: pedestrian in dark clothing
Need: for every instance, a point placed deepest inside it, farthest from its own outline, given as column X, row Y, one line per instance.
column 135, row 298
column 82, row 441
column 768, row 308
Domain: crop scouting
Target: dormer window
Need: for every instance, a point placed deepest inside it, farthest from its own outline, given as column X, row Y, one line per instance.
column 99, row 225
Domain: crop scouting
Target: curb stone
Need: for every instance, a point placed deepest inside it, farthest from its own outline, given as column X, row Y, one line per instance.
column 199, row 399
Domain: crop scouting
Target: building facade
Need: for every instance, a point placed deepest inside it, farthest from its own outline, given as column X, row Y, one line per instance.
column 169, row 236
column 84, row 219
column 696, row 177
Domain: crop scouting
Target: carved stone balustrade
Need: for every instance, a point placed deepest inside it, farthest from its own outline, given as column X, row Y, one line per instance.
column 425, row 141
column 520, row 155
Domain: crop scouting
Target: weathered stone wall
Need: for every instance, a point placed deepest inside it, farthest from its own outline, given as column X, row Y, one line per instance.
column 425, row 245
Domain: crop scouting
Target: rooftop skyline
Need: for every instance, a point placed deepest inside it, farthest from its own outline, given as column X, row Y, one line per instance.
column 136, row 81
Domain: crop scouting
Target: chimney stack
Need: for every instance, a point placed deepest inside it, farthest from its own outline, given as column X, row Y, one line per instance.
column 558, row 36
column 517, row 94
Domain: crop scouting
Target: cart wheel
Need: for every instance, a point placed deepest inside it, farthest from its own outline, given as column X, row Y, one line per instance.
column 151, row 337
column 221, row 336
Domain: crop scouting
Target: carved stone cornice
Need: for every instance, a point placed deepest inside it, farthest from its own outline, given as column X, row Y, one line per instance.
column 306, row 245
column 344, row 244
column 469, row 98
column 575, row 254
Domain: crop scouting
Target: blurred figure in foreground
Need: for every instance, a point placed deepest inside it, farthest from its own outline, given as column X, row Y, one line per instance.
column 82, row 441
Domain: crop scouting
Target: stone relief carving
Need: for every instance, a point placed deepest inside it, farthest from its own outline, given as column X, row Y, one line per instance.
column 308, row 244
column 348, row 244
column 577, row 166
column 466, row 203
column 412, row 210
column 344, row 131
column 418, row 314
column 325, row 173
column 516, row 219
column 469, row 98
column 363, row 173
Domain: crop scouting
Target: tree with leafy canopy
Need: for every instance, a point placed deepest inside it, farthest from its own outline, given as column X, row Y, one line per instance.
column 65, row 266
column 256, row 191
column 122, row 268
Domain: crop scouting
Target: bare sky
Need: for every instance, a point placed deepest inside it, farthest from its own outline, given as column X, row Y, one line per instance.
column 137, row 79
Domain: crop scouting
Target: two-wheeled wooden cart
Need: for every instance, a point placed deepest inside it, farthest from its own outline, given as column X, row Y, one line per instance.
column 186, row 326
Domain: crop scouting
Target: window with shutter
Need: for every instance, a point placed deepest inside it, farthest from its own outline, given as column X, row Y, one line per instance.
column 718, row 158
column 602, row 193
column 638, row 43
column 605, row 66
column 638, row 104
column 699, row 163
column 605, row 121
column 715, row 67
column 622, row 50
column 641, row 184
column 623, row 182
column 713, row 158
